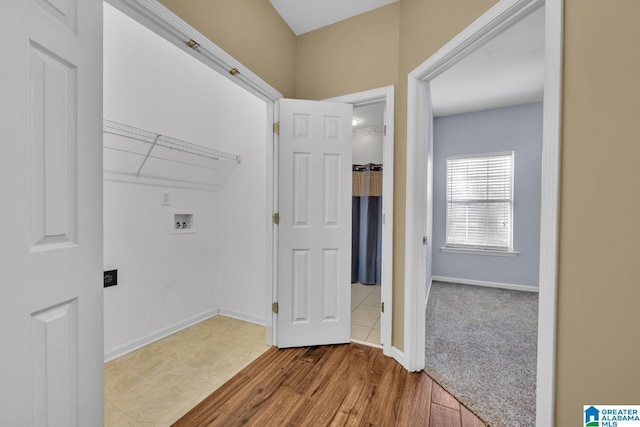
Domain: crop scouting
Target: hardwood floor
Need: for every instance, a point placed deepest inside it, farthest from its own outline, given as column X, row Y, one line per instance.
column 343, row 385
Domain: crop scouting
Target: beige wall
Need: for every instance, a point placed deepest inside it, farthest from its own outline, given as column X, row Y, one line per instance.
column 425, row 25
column 598, row 339
column 598, row 287
column 350, row 56
column 249, row 30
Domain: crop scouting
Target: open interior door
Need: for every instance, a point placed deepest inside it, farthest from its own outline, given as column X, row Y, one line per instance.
column 314, row 231
column 51, row 213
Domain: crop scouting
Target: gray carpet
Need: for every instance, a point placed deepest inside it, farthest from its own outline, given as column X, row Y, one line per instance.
column 481, row 346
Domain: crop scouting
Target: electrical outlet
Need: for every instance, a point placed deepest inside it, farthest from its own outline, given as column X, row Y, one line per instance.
column 165, row 198
column 110, row 278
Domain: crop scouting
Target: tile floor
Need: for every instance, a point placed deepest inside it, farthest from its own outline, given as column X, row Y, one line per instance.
column 365, row 313
column 157, row 384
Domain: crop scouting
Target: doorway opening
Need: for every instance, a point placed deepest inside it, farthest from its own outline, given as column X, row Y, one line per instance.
column 366, row 236
column 174, row 226
column 185, row 209
column 371, row 301
column 487, row 151
column 420, row 183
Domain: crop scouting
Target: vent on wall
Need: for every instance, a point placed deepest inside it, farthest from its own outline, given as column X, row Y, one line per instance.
column 137, row 155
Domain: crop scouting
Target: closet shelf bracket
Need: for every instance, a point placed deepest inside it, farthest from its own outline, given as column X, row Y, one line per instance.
column 155, row 141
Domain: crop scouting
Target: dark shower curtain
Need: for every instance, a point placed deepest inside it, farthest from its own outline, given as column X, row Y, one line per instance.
column 366, row 234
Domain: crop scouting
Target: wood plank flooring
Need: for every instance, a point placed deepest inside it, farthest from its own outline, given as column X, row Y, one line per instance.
column 342, row 385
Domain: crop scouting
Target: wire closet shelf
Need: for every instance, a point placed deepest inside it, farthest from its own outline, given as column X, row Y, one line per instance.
column 137, row 155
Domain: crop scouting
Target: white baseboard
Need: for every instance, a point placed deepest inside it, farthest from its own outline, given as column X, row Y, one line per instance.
column 369, row 344
column 148, row 339
column 399, row 357
column 510, row 286
column 242, row 316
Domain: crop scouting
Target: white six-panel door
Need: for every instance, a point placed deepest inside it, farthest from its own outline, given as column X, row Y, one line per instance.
column 314, row 255
column 51, row 335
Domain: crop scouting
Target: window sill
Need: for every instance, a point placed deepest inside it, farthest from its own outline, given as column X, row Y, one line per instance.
column 471, row 251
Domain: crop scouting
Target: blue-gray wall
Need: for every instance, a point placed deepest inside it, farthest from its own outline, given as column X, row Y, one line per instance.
column 517, row 129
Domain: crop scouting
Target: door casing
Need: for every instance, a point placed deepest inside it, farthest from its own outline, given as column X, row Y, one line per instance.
column 497, row 19
column 386, row 95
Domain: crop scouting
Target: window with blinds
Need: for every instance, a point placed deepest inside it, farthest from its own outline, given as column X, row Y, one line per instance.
column 480, row 202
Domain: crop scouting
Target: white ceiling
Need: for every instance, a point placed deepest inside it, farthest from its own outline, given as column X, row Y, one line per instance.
column 303, row 16
column 369, row 115
column 508, row 70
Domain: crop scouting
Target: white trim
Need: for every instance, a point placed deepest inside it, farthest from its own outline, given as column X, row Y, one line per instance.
column 496, row 20
column 242, row 316
column 273, row 296
column 156, row 336
column 416, row 220
column 474, row 251
column 368, row 344
column 165, row 23
column 552, row 119
column 398, row 356
column 269, row 227
column 510, row 286
column 386, row 95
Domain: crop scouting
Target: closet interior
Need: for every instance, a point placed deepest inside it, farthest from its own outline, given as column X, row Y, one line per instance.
column 185, row 204
column 366, row 218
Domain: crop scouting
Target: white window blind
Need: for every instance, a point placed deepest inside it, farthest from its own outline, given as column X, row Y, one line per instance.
column 480, row 202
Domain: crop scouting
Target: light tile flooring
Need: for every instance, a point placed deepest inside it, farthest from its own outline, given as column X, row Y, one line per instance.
column 157, row 384
column 365, row 313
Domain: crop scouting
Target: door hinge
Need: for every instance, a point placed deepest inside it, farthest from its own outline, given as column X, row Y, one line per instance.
column 382, row 306
column 276, row 128
column 274, row 307
column 276, row 218
column 384, row 132
column 425, row 240
column 193, row 44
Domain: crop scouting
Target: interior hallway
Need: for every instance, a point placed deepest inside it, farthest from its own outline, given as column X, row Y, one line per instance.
column 158, row 384
column 337, row 385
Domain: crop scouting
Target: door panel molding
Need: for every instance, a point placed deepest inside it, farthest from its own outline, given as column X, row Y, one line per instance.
column 314, row 232
column 51, row 185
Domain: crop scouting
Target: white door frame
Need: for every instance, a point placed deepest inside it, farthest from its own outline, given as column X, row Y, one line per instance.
column 374, row 96
column 496, row 20
column 166, row 24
